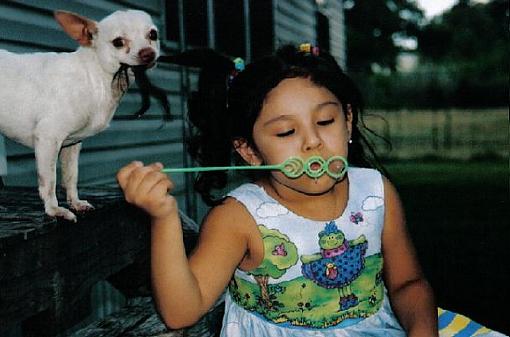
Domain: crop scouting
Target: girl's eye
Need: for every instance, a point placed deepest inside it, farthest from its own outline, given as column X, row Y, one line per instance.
column 326, row 122
column 285, row 134
column 118, row 42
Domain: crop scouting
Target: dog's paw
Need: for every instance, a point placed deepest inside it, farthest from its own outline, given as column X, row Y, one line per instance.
column 61, row 212
column 81, row 205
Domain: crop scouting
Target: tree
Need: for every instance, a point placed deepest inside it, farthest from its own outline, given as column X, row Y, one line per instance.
column 374, row 27
column 279, row 255
column 465, row 32
column 470, row 43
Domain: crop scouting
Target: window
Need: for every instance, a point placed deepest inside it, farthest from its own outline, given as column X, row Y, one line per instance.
column 322, row 31
column 230, row 27
column 261, row 27
column 172, row 20
column 195, row 21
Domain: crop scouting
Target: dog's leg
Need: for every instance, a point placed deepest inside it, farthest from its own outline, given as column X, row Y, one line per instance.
column 69, row 163
column 46, row 154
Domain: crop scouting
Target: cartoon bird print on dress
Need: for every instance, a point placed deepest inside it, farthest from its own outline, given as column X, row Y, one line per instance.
column 338, row 264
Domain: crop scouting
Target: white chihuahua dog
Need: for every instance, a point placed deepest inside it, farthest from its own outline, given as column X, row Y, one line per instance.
column 51, row 101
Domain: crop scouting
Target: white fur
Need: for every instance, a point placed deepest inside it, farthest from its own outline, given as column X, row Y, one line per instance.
column 48, row 100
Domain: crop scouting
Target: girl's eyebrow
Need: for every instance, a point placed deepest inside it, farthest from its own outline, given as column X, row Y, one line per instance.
column 323, row 104
column 278, row 118
column 317, row 107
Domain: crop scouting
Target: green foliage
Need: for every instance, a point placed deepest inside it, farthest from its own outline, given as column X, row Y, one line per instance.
column 470, row 45
column 373, row 26
column 467, row 33
column 463, row 55
column 425, row 87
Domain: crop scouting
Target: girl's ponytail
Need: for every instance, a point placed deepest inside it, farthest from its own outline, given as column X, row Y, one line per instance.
column 210, row 142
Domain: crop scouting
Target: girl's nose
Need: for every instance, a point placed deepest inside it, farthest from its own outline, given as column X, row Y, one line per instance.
column 312, row 141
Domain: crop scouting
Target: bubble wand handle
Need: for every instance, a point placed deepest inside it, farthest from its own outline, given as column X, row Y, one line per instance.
column 219, row 168
column 294, row 167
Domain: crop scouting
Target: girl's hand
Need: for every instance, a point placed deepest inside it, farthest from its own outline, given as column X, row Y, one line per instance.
column 147, row 187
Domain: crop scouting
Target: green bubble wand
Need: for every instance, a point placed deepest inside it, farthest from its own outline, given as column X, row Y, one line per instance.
column 294, row 167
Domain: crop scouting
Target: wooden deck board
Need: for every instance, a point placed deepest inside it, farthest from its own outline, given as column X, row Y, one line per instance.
column 48, row 265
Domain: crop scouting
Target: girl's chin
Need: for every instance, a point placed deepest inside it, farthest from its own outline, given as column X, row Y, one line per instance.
column 312, row 186
column 319, row 189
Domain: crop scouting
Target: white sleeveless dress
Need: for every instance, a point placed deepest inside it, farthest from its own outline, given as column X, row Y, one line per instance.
column 317, row 278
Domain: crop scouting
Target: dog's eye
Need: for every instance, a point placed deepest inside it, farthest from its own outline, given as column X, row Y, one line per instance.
column 118, row 42
column 153, row 35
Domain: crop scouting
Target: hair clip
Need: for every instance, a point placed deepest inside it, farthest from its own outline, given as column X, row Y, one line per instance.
column 238, row 67
column 294, row 167
column 308, row 48
column 239, row 64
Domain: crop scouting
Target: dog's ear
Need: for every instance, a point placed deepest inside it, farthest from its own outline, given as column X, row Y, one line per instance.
column 78, row 27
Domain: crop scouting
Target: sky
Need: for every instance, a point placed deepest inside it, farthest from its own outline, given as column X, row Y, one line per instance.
column 435, row 7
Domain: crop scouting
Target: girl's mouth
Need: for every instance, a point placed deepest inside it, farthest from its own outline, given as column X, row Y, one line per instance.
column 315, row 166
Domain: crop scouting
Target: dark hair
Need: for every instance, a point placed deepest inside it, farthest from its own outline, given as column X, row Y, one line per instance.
column 222, row 110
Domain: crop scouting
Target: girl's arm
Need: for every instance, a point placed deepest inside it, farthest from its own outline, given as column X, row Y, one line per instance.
column 185, row 289
column 410, row 294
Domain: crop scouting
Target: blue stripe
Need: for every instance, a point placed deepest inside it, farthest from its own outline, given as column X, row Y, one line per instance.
column 445, row 318
column 469, row 330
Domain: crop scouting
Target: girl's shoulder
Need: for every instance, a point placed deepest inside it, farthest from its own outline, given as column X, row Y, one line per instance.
column 234, row 212
column 250, row 195
column 232, row 221
column 246, row 190
column 229, row 220
column 230, row 211
column 367, row 180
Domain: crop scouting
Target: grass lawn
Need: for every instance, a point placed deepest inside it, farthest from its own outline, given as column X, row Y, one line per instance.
column 457, row 215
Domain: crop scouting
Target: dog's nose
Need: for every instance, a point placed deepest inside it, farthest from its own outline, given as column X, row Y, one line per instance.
column 147, row 55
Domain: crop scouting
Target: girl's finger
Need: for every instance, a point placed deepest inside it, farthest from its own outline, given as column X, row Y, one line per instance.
column 135, row 179
column 123, row 174
column 161, row 187
column 157, row 166
column 149, row 181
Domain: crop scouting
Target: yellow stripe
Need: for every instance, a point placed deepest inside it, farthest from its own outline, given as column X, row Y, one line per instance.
column 481, row 331
column 457, row 324
column 439, row 311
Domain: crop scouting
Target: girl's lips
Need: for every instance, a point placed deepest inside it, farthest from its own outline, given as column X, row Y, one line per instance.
column 315, row 166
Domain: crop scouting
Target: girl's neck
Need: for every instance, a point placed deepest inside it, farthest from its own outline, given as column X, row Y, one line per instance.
column 324, row 207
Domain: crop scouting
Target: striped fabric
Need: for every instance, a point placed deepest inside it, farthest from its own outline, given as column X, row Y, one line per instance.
column 452, row 324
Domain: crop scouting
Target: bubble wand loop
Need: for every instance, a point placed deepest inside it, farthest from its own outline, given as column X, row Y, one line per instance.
column 294, row 167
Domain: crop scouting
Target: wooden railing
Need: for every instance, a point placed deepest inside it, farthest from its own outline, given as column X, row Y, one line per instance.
column 48, row 266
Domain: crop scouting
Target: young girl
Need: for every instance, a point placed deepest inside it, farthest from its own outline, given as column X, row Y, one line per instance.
column 300, row 256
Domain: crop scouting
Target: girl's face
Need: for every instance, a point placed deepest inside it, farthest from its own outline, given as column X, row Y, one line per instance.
column 299, row 118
